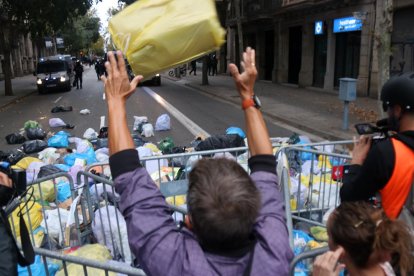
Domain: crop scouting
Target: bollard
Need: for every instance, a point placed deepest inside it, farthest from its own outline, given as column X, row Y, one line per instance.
column 347, row 93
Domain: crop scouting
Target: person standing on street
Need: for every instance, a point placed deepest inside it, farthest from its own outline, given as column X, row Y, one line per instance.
column 97, row 69
column 193, row 68
column 78, row 74
column 214, row 65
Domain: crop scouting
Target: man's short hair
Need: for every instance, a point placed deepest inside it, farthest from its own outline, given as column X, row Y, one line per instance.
column 223, row 203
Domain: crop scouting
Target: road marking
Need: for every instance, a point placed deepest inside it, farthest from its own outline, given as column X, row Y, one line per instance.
column 58, row 99
column 195, row 129
column 102, row 122
column 103, row 96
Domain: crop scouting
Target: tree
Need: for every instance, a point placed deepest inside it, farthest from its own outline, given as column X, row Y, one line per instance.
column 98, row 47
column 39, row 18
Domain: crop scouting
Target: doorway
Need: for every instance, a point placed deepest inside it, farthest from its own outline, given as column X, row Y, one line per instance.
column 319, row 60
column 295, row 54
column 269, row 54
column 347, row 51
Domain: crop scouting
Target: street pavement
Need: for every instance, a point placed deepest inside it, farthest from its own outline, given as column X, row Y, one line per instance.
column 210, row 108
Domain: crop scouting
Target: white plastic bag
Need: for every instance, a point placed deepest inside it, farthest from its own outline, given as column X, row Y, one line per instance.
column 85, row 111
column 90, row 133
column 105, row 228
column 163, row 123
column 147, row 130
column 56, row 122
column 33, row 170
column 49, row 155
column 81, row 144
column 139, row 120
column 144, row 152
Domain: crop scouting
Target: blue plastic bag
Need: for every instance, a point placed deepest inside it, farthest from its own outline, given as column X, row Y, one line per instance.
column 236, row 130
column 59, row 140
column 38, row 268
column 88, row 155
column 62, row 167
column 63, row 191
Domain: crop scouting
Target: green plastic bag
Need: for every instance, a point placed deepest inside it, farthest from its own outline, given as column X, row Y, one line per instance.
column 157, row 35
column 166, row 145
column 31, row 124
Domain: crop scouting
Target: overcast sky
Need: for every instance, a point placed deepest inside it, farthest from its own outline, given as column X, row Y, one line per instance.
column 102, row 8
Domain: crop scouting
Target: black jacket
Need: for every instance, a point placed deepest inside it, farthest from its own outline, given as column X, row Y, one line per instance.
column 362, row 182
column 8, row 251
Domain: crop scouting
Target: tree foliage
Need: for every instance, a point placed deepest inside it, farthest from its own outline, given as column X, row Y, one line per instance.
column 82, row 33
column 97, row 48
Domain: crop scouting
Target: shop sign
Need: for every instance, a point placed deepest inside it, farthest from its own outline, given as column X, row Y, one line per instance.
column 347, row 24
column 318, row 27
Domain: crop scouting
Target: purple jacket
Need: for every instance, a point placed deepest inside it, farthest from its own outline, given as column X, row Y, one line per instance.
column 163, row 249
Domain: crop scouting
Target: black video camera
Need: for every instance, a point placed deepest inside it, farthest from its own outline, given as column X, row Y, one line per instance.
column 19, row 184
column 379, row 131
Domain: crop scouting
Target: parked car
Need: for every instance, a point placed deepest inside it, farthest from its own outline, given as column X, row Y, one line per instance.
column 155, row 80
column 53, row 73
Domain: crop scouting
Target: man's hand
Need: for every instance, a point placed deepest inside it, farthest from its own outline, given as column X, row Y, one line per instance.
column 5, row 180
column 245, row 81
column 327, row 264
column 117, row 85
column 361, row 149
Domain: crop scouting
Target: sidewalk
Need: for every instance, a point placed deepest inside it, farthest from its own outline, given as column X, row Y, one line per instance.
column 316, row 112
column 22, row 87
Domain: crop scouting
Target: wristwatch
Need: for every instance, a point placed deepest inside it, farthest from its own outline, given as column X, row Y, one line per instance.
column 253, row 101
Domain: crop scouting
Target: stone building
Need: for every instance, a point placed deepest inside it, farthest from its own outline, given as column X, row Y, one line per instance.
column 314, row 43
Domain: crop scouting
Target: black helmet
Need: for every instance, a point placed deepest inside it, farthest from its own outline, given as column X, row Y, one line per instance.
column 399, row 90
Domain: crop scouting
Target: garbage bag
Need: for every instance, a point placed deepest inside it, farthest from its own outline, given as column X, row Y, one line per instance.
column 44, row 191
column 31, row 124
column 55, row 220
column 138, row 141
column 106, row 229
column 82, row 145
column 103, row 132
column 33, row 211
column 166, row 33
column 14, row 156
column 33, row 170
column 25, row 162
column 59, row 140
column 49, row 155
column 61, row 108
column 56, row 122
column 319, row 233
column 166, row 145
column 48, row 170
column 163, row 123
column 100, row 143
column 90, row 133
column 152, row 147
column 35, row 133
column 95, row 252
column 236, row 130
column 15, row 138
column 89, row 156
column 85, row 111
column 139, row 121
column 34, row 146
column 38, row 268
column 63, row 191
column 220, row 142
column 147, row 130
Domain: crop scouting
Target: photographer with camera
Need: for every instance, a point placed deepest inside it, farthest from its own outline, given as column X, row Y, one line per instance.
column 12, row 185
column 387, row 166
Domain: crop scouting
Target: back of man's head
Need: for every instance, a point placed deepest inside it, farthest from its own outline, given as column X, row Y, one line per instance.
column 223, row 204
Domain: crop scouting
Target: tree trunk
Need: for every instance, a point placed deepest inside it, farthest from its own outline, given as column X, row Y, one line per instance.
column 384, row 30
column 5, row 45
column 205, row 70
column 237, row 6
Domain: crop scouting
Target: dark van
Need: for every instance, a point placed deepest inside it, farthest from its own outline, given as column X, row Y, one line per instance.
column 53, row 73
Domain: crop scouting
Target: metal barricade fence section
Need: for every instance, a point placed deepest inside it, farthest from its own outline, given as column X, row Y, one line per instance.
column 311, row 178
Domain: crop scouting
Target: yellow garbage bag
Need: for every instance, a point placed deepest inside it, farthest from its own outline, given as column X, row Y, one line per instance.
column 157, row 35
column 48, row 191
column 35, row 214
column 176, row 200
column 95, row 252
column 25, row 162
column 320, row 233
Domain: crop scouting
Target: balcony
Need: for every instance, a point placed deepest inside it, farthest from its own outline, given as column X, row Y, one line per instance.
column 254, row 9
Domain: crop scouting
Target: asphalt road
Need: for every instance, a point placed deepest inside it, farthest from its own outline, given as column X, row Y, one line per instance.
column 208, row 113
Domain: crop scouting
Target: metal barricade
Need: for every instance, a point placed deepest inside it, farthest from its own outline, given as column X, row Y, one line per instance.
column 311, row 254
column 89, row 267
column 310, row 180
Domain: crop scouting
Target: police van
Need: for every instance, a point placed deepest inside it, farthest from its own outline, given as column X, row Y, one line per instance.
column 53, row 73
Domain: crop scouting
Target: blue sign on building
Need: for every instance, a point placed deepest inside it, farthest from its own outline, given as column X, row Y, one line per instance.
column 319, row 28
column 347, row 24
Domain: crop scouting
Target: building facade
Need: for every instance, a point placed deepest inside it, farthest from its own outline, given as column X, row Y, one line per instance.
column 315, row 43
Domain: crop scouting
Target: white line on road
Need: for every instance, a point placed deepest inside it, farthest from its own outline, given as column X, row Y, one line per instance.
column 103, row 96
column 102, row 122
column 58, row 99
column 195, row 129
